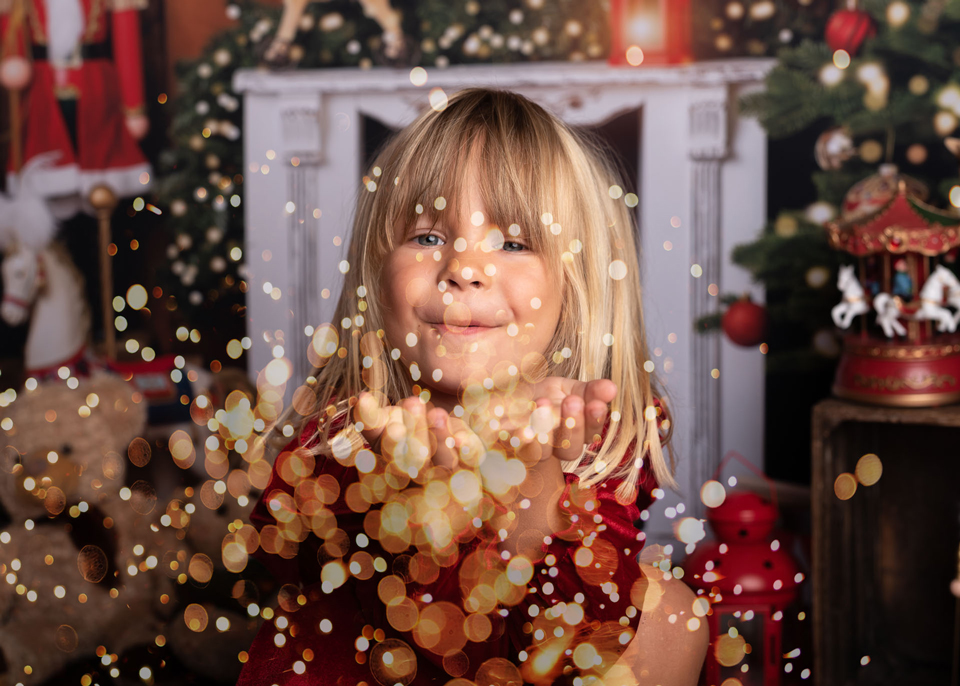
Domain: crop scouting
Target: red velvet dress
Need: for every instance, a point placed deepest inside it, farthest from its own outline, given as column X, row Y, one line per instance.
column 336, row 638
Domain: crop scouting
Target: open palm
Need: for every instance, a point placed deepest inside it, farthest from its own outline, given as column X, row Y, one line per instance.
column 566, row 416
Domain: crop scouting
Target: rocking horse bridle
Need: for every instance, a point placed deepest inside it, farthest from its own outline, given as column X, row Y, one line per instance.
column 41, row 282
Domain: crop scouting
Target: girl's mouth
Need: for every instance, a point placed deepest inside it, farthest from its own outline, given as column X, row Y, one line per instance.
column 463, row 330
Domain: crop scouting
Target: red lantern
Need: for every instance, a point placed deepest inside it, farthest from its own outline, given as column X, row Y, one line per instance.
column 745, row 322
column 650, row 32
column 848, row 29
column 749, row 580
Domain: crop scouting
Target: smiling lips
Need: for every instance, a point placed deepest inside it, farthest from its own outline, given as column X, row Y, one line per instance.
column 470, row 329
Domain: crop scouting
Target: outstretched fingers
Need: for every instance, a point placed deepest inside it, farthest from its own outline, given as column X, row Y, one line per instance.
column 373, row 417
column 446, row 453
column 570, row 438
column 597, row 398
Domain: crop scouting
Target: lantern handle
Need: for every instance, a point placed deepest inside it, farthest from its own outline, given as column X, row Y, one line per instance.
column 734, row 454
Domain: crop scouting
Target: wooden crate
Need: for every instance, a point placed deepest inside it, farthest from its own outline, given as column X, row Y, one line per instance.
column 883, row 560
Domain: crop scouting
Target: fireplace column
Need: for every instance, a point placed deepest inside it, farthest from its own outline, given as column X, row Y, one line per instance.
column 708, row 149
column 300, row 120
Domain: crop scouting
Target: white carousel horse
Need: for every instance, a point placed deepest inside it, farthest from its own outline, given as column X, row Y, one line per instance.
column 890, row 309
column 854, row 302
column 45, row 286
column 931, row 299
column 888, row 314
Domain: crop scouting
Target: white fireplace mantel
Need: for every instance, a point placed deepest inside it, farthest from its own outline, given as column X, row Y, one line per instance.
column 702, row 189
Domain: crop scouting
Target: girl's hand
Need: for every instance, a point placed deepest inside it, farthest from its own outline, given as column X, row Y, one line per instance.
column 572, row 413
column 415, row 435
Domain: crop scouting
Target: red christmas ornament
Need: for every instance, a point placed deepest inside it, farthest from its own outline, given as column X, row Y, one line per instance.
column 848, row 29
column 745, row 322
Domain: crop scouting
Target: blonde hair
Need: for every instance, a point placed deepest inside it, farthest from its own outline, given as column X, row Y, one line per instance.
column 536, row 172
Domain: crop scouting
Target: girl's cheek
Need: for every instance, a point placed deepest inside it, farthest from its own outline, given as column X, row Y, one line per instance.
column 416, row 291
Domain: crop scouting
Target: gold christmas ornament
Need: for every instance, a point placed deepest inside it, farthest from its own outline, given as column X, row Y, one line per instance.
column 871, row 151
column 919, row 84
column 917, row 154
column 786, row 226
column 834, row 147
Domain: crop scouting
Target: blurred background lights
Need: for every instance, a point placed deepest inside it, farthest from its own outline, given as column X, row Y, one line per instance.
column 634, row 56
column 690, row 530
column 137, row 296
column 712, row 493
column 234, row 349
column 438, row 99
column 418, row 76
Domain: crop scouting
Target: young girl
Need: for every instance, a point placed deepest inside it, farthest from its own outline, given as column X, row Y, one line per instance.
column 459, row 503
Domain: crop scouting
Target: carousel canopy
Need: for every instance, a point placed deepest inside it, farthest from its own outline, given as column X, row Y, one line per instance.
column 904, row 224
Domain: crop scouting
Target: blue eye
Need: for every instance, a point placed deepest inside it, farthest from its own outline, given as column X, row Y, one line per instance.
column 516, row 247
column 420, row 242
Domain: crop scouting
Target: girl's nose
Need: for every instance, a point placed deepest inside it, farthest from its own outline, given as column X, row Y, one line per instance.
column 466, row 271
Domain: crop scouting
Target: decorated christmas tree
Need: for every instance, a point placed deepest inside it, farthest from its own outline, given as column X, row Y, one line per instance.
column 883, row 87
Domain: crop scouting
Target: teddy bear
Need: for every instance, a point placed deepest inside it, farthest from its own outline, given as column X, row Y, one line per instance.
column 83, row 557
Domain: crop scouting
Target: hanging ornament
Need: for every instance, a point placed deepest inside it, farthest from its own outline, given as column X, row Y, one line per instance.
column 820, row 212
column 917, row 154
column 222, row 57
column 825, row 343
column 786, row 226
column 945, row 123
column 745, row 322
column 817, row 277
column 897, row 13
column 834, row 147
column 847, row 29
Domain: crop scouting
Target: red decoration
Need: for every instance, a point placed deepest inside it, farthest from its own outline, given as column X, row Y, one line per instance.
column 98, row 71
column 921, row 366
column 848, row 29
column 650, row 32
column 745, row 323
column 749, row 580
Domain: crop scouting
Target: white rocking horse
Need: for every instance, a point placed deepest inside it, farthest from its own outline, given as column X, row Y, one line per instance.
column 890, row 309
column 854, row 301
column 40, row 281
column 46, row 287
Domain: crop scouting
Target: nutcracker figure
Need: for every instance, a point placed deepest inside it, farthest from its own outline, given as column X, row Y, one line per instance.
column 75, row 71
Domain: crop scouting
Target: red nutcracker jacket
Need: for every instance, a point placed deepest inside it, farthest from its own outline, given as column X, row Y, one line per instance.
column 88, row 51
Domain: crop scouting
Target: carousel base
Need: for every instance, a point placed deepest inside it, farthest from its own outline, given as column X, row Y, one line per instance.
column 898, row 374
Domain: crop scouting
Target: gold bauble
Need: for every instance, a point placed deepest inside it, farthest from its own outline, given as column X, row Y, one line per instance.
column 917, row 154
column 871, row 151
column 786, row 226
column 919, row 84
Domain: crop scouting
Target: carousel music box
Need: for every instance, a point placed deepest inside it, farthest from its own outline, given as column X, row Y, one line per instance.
column 906, row 351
